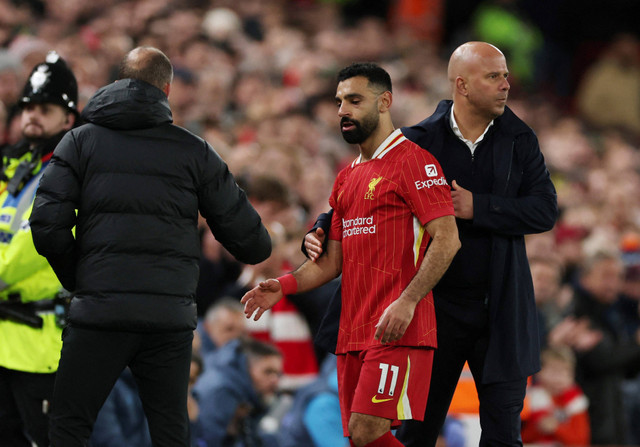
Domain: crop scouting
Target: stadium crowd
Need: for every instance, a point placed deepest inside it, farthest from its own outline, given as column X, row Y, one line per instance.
column 256, row 79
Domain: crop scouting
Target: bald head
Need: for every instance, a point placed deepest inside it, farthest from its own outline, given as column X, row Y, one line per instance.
column 147, row 64
column 468, row 56
column 478, row 75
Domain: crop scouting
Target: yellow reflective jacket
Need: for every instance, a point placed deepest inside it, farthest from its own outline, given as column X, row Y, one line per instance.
column 23, row 271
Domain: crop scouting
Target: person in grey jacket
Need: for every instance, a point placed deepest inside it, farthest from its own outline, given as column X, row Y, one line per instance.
column 132, row 184
column 239, row 382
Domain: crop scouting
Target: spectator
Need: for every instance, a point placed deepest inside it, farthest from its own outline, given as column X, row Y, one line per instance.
column 609, row 91
column 314, row 418
column 223, row 322
column 235, row 394
column 551, row 304
column 559, row 409
column 601, row 369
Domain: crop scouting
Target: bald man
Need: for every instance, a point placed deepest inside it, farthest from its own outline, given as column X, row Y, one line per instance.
column 501, row 190
column 138, row 183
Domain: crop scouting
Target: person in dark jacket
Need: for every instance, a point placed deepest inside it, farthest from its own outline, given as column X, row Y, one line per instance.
column 234, row 392
column 601, row 370
column 137, row 183
column 501, row 190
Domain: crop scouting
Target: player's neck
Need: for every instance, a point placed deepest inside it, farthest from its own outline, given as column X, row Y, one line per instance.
column 371, row 144
column 471, row 124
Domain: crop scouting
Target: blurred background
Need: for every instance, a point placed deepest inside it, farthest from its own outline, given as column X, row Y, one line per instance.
column 256, row 79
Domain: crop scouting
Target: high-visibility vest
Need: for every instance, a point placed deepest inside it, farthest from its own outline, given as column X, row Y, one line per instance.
column 27, row 276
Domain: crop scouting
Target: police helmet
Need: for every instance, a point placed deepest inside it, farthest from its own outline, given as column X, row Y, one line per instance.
column 52, row 82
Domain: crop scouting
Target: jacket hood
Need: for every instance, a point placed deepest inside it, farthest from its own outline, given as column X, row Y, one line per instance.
column 128, row 104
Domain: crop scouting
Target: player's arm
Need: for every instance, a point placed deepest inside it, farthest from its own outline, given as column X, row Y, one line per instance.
column 444, row 244
column 308, row 276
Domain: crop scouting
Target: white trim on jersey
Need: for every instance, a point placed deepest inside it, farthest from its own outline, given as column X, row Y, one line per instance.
column 418, row 235
column 404, row 406
column 384, row 147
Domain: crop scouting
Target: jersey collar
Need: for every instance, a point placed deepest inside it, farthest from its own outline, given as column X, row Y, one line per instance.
column 395, row 138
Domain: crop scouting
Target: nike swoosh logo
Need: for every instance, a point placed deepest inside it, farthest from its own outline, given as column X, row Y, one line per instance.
column 375, row 400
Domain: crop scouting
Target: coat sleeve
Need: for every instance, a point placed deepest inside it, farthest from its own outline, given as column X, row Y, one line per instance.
column 324, row 222
column 535, row 207
column 230, row 216
column 54, row 212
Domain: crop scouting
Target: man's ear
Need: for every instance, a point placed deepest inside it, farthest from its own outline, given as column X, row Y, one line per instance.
column 70, row 121
column 461, row 86
column 167, row 89
column 384, row 101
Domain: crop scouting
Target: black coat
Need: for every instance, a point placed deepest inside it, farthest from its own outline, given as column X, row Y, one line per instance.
column 137, row 182
column 522, row 201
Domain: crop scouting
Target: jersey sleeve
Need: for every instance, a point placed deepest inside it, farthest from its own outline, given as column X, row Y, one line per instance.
column 335, row 230
column 425, row 187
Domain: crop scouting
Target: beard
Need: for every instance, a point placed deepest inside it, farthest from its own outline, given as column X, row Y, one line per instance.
column 361, row 129
column 34, row 133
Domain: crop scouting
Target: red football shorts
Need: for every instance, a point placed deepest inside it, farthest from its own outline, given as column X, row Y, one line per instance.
column 391, row 382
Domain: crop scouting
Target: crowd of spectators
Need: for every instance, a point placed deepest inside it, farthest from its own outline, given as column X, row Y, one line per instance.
column 255, row 78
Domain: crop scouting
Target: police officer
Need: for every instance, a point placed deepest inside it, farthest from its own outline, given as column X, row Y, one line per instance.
column 30, row 336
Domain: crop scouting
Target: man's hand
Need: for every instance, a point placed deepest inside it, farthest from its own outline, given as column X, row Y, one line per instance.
column 313, row 243
column 462, row 201
column 261, row 298
column 395, row 320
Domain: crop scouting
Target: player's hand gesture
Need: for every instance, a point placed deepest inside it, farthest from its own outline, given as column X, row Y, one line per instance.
column 313, row 243
column 261, row 298
column 395, row 320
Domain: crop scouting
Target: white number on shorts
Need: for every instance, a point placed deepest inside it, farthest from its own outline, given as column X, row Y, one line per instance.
column 383, row 378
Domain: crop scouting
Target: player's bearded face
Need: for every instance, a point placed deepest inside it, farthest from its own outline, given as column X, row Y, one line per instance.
column 359, row 130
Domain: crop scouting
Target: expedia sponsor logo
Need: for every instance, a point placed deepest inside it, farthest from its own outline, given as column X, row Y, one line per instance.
column 359, row 225
column 431, row 170
column 420, row 184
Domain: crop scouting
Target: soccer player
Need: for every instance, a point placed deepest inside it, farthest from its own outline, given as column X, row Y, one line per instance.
column 390, row 203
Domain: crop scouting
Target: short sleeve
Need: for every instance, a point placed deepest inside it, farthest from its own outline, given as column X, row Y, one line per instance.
column 425, row 188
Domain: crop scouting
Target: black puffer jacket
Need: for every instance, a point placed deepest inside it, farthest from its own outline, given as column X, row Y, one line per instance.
column 137, row 182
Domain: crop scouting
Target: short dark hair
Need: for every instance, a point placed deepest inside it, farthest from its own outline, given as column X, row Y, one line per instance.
column 375, row 74
column 147, row 64
column 256, row 349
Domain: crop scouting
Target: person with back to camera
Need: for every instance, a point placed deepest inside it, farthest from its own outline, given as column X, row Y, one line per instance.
column 501, row 190
column 137, row 182
column 390, row 203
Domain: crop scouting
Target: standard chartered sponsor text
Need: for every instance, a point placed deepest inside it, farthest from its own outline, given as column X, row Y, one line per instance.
column 358, row 225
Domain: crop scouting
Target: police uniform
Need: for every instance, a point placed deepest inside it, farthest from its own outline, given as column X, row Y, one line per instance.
column 29, row 331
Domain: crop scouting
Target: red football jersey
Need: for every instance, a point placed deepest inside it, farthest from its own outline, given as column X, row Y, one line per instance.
column 380, row 209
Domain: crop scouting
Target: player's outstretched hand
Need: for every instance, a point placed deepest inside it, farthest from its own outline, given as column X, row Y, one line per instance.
column 261, row 298
column 313, row 243
column 395, row 320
